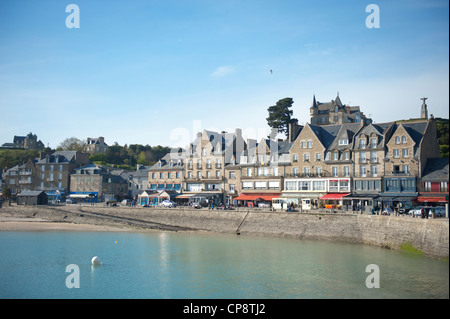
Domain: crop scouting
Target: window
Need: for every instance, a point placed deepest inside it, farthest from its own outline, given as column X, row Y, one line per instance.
column 405, row 152
column 295, row 158
column 443, row 187
column 275, row 171
column 343, row 142
column 189, row 175
column 344, row 186
column 259, row 171
column 362, row 157
column 177, row 175
column 291, row 185
column 306, row 157
column 362, row 171
column 295, row 171
column 232, row 175
column 208, row 174
column 318, row 170
column 304, row 185
column 260, row 185
column 403, row 139
column 397, row 140
column 203, row 151
column 274, row 185
column 373, row 157
column 373, row 170
column 318, row 157
column 334, row 186
column 169, row 175
column 405, row 169
column 335, row 156
column 161, row 175
column 309, row 144
column 218, row 174
column 208, row 163
column 334, row 171
column 306, row 170
column 199, row 174
column 249, row 171
column 247, row 185
column 362, row 143
column 319, row 185
column 396, row 153
column 347, row 156
column 346, row 170
column 373, row 142
column 303, row 144
column 427, row 186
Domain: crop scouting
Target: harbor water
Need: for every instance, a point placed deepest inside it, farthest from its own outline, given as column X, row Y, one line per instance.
column 206, row 265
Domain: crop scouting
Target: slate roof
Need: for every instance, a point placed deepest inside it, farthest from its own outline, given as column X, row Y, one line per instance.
column 30, row 193
column 436, row 169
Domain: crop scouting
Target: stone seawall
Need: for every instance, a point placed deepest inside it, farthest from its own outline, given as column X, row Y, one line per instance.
column 430, row 236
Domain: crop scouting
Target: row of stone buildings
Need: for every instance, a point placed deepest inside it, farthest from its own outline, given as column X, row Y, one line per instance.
column 341, row 159
column 353, row 164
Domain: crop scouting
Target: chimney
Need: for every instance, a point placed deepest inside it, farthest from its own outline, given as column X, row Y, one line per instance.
column 238, row 132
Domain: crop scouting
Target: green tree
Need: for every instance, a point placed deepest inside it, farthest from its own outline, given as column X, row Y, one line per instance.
column 71, row 144
column 280, row 115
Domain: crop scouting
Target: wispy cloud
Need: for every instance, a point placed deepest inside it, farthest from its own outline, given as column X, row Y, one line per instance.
column 222, row 71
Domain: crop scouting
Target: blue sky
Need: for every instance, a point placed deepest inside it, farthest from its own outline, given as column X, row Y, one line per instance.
column 155, row 72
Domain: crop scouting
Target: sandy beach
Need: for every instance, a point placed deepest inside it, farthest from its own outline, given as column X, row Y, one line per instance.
column 8, row 222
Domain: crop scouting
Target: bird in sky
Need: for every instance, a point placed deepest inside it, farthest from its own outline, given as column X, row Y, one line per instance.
column 270, row 71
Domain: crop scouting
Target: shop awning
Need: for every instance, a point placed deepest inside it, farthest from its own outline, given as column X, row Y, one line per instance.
column 334, row 196
column 431, row 199
column 257, row 197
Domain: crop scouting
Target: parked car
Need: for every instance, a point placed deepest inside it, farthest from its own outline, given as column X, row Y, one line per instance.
column 438, row 211
column 417, row 211
column 168, row 203
column 404, row 211
column 196, row 205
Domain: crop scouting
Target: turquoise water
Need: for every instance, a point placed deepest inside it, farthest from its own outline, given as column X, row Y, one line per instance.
column 191, row 265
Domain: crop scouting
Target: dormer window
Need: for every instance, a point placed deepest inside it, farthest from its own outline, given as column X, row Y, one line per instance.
column 159, row 164
column 171, row 164
column 343, row 141
column 179, row 163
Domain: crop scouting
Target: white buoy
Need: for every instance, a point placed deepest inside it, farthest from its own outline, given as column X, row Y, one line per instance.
column 95, row 261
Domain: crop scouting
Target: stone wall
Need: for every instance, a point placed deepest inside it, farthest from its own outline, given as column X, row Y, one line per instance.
column 430, row 236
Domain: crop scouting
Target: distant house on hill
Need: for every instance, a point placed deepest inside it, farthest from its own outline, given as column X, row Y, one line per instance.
column 335, row 112
column 29, row 142
column 95, row 145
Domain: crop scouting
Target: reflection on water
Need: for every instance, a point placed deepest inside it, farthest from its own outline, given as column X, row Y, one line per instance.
column 172, row 265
